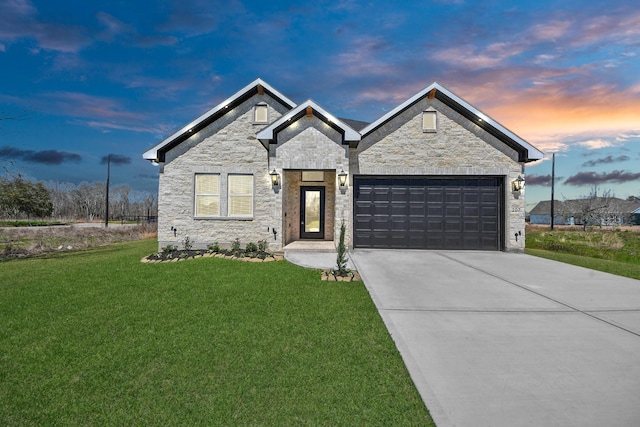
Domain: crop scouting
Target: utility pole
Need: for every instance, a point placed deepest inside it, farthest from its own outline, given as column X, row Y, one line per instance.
column 106, row 199
column 553, row 183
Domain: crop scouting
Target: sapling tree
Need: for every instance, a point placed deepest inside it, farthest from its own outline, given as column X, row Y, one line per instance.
column 341, row 259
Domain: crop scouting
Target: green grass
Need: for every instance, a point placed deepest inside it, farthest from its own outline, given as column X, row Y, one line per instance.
column 610, row 250
column 619, row 268
column 98, row 338
column 25, row 223
column 614, row 245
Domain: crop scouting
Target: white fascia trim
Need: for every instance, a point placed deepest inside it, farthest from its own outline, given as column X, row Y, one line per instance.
column 152, row 153
column 399, row 108
column 533, row 153
column 349, row 133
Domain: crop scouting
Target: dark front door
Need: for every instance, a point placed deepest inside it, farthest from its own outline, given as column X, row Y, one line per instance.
column 312, row 212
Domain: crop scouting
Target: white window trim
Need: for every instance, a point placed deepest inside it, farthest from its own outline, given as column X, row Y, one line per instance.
column 229, row 196
column 435, row 121
column 196, row 194
column 255, row 113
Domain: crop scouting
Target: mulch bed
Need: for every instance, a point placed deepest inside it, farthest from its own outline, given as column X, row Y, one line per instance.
column 181, row 255
column 333, row 276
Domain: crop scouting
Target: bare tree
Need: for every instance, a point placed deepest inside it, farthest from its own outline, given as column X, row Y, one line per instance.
column 122, row 201
column 150, row 206
column 85, row 201
column 89, row 200
column 594, row 209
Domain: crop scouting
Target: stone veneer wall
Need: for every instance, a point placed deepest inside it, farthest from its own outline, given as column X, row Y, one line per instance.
column 292, row 183
column 458, row 147
column 225, row 147
column 400, row 147
column 311, row 144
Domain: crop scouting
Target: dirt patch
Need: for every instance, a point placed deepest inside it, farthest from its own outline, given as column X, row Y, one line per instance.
column 22, row 242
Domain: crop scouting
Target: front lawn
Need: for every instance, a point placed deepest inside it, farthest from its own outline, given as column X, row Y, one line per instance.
column 98, row 338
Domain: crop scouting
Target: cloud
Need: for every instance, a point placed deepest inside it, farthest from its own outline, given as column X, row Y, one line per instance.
column 541, row 180
column 195, row 17
column 148, row 176
column 472, row 58
column 19, row 21
column 141, row 127
column 621, row 27
column 158, row 40
column 551, row 31
column 113, row 27
column 593, row 178
column 97, row 109
column 606, row 160
column 47, row 157
column 116, row 159
column 595, row 144
column 559, row 110
column 364, row 58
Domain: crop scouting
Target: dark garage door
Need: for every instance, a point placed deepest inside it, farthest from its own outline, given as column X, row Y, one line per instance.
column 428, row 212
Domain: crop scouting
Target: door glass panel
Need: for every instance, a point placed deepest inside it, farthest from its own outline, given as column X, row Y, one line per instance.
column 312, row 211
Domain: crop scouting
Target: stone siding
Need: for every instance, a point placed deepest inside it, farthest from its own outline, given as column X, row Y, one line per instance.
column 458, row 147
column 292, row 183
column 311, row 144
column 227, row 146
column 399, row 147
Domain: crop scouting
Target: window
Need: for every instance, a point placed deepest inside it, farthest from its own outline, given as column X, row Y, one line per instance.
column 428, row 121
column 240, row 195
column 207, row 198
column 261, row 113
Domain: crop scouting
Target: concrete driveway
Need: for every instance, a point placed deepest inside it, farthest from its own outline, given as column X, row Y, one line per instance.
column 498, row 339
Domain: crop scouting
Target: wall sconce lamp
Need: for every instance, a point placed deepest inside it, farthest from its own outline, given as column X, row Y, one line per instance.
column 275, row 178
column 342, row 179
column 518, row 183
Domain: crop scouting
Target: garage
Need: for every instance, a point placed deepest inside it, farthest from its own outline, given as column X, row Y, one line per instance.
column 428, row 212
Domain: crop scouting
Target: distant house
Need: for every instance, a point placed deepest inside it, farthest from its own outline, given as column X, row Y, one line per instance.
column 635, row 217
column 541, row 214
column 432, row 173
column 599, row 211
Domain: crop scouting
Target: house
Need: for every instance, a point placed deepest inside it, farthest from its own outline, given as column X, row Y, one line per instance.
column 635, row 216
column 432, row 173
column 598, row 211
column 541, row 213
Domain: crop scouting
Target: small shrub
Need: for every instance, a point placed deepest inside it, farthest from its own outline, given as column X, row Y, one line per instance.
column 262, row 245
column 235, row 245
column 341, row 259
column 187, row 243
column 214, row 247
column 169, row 249
column 251, row 247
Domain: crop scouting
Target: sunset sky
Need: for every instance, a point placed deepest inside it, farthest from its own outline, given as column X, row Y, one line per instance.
column 83, row 79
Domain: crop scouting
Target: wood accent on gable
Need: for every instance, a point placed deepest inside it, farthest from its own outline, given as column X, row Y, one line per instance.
column 432, row 93
column 260, row 90
column 309, row 112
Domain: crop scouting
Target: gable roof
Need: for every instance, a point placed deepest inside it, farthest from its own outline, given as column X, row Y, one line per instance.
column 526, row 151
column 349, row 135
column 544, row 207
column 157, row 152
column 352, row 131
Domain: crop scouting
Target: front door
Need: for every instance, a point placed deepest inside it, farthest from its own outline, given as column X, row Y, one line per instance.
column 312, row 212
